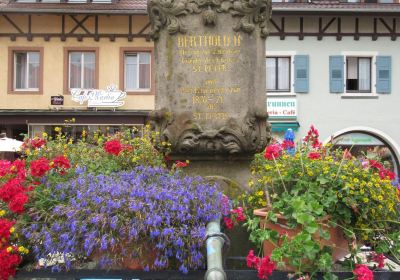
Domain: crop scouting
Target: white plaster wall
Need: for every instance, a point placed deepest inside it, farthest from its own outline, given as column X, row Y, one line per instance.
column 331, row 113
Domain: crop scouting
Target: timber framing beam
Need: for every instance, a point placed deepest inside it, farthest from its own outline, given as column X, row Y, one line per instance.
column 76, row 24
column 376, row 27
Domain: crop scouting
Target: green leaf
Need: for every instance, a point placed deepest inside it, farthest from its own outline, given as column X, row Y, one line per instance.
column 311, row 227
column 303, row 218
column 324, row 234
column 323, row 180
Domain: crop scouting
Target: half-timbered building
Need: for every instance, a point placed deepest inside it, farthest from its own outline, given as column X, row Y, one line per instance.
column 49, row 47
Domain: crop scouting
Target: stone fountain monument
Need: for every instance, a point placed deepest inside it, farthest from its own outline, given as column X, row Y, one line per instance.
column 210, row 82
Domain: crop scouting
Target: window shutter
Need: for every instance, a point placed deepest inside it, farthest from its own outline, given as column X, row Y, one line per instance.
column 383, row 74
column 336, row 67
column 301, row 73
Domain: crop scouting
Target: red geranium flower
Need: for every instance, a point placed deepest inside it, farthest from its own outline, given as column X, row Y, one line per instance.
column 287, row 144
column 37, row 142
column 273, row 151
column 113, row 147
column 39, row 167
column 252, row 261
column 5, row 226
column 240, row 216
column 8, row 263
column 383, row 173
column 11, row 189
column 266, row 268
column 61, row 162
column 314, row 155
column 379, row 259
column 5, row 167
column 228, row 223
column 180, row 164
column 362, row 272
column 18, row 202
column 373, row 163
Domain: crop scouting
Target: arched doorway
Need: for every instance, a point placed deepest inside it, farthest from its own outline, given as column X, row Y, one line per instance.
column 369, row 142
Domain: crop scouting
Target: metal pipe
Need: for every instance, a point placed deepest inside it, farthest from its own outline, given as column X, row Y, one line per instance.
column 215, row 241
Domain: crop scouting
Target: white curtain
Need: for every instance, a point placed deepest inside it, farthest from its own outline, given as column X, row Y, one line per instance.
column 271, row 75
column 20, row 70
column 33, row 73
column 89, row 66
column 283, row 73
column 364, row 73
column 131, row 62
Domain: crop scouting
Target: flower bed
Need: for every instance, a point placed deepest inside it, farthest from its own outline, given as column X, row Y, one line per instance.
column 107, row 195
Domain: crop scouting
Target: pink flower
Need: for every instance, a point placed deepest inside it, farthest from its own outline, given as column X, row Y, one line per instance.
column 273, row 151
column 228, row 223
column 362, row 272
column 38, row 142
column 252, row 261
column 314, row 155
column 383, row 173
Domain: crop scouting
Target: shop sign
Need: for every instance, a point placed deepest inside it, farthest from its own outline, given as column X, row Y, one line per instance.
column 57, row 100
column 282, row 107
column 110, row 97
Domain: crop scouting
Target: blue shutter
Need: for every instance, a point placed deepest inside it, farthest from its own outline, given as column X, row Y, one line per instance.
column 383, row 74
column 301, row 73
column 336, row 79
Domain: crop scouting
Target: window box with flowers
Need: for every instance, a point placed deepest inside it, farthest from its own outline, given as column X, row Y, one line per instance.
column 315, row 190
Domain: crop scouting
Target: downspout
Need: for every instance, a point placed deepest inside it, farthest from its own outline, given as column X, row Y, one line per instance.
column 215, row 241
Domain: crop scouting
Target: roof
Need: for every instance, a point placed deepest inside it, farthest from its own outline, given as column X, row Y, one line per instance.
column 118, row 7
column 140, row 7
column 336, row 6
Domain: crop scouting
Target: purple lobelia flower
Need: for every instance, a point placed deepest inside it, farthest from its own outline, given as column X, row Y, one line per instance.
column 116, row 214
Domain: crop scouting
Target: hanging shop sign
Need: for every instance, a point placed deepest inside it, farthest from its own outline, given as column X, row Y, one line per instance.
column 57, row 100
column 282, row 107
column 110, row 97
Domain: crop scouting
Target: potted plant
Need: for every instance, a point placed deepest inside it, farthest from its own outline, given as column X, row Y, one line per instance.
column 303, row 199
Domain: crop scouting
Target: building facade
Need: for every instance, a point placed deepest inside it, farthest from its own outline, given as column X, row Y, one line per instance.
column 336, row 65
column 49, row 47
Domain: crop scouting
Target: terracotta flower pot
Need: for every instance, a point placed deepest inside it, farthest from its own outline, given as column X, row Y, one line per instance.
column 337, row 240
column 148, row 256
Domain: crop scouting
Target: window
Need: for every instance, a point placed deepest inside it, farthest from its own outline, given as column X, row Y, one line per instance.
column 81, row 70
column 26, row 70
column 278, row 74
column 137, row 71
column 358, row 74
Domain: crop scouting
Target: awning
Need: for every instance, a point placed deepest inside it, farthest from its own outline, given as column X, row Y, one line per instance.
column 283, row 126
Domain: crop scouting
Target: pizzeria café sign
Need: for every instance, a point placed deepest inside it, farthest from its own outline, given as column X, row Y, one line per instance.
column 282, row 107
column 110, row 97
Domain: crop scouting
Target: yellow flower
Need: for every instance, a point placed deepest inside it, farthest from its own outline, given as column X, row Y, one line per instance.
column 251, row 183
column 260, row 193
column 12, row 229
column 365, row 199
column 355, row 180
column 310, row 173
column 21, row 249
column 2, row 213
column 9, row 249
column 44, row 135
column 57, row 129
